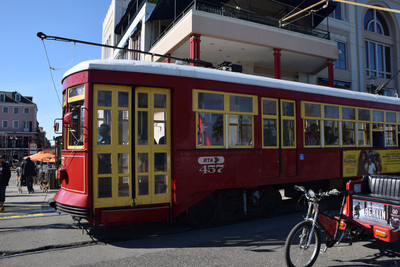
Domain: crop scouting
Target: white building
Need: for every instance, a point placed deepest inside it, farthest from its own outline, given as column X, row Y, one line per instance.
column 340, row 45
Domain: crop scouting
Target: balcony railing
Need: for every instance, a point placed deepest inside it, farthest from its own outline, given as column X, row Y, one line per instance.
column 242, row 15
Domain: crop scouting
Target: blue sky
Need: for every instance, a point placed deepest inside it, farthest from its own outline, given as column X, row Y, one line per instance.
column 24, row 66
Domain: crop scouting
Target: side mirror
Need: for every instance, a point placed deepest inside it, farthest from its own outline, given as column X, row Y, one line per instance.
column 56, row 127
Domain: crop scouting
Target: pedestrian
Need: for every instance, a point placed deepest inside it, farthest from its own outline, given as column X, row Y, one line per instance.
column 28, row 171
column 5, row 175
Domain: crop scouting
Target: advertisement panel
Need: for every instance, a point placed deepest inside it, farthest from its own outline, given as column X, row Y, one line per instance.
column 386, row 215
column 368, row 162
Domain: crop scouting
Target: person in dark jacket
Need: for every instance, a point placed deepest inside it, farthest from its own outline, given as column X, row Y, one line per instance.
column 5, row 175
column 28, row 171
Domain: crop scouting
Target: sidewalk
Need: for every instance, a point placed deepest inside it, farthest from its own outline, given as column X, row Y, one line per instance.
column 19, row 205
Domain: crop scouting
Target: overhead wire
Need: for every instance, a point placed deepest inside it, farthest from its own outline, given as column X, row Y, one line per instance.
column 51, row 73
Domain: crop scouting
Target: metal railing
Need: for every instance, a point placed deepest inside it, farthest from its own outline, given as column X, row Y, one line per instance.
column 232, row 12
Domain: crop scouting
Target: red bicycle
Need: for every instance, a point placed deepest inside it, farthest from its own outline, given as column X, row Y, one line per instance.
column 303, row 243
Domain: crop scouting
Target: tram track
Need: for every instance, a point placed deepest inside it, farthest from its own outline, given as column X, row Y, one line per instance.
column 44, row 249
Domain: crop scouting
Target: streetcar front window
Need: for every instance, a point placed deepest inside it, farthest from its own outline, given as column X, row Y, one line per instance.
column 74, row 99
column 76, row 129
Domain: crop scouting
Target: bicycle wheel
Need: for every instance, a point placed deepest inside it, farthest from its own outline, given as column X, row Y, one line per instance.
column 297, row 253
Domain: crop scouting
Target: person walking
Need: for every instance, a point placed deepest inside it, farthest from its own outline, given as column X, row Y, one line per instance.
column 5, row 175
column 29, row 170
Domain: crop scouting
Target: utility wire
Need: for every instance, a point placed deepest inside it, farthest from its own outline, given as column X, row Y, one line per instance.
column 51, row 73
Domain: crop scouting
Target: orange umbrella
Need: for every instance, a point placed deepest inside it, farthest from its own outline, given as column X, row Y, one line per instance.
column 40, row 156
column 50, row 159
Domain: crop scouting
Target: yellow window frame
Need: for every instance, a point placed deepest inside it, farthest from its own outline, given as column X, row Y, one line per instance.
column 114, row 148
column 70, row 100
column 225, row 112
column 268, row 116
column 150, row 149
column 305, row 117
column 291, row 118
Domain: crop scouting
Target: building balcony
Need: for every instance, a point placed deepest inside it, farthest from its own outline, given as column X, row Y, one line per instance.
column 245, row 39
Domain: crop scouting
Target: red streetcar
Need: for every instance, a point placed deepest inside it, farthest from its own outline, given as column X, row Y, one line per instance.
column 146, row 141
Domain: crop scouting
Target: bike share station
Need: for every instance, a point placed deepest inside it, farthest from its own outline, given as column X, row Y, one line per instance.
column 370, row 208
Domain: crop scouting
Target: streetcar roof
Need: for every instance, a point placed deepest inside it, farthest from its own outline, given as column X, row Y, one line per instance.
column 224, row 76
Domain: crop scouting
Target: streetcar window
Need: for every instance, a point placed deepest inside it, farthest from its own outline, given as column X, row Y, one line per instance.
column 123, row 186
column 364, row 115
column 312, row 124
column 312, row 110
column 377, row 116
column 142, row 124
column 104, row 187
column 240, row 130
column 76, row 128
column 104, row 99
column 160, row 101
column 331, row 112
column 123, row 127
column 378, row 137
column 312, row 132
column 123, row 99
column 348, row 133
column 104, row 163
column 269, row 107
column 348, row 126
column 364, row 134
column 348, row 113
column 288, row 122
column 398, row 129
column 270, row 122
column 240, row 104
column 391, row 117
column 390, row 129
column 390, row 135
column 211, row 101
column 210, row 129
column 331, row 133
column 142, row 100
column 103, row 127
column 220, row 124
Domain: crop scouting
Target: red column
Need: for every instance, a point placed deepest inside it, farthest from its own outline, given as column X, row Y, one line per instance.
column 168, row 60
column 194, row 47
column 277, row 61
column 330, row 72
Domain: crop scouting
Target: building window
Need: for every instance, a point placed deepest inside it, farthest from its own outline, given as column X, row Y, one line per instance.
column 5, row 109
column 378, row 60
column 15, row 124
column 16, row 110
column 340, row 63
column 26, row 110
column 337, row 12
column 18, row 97
column 375, row 22
column 2, row 97
column 5, row 124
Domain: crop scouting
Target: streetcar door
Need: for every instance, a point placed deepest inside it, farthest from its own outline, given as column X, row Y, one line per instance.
column 152, row 146
column 112, row 146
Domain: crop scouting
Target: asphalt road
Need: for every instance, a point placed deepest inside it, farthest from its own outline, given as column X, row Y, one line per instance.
column 33, row 235
column 57, row 241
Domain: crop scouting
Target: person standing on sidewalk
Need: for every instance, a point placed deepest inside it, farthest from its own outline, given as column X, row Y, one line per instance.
column 29, row 170
column 5, row 175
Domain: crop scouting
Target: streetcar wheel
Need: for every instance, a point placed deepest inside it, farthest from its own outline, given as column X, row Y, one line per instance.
column 297, row 253
column 270, row 201
column 203, row 214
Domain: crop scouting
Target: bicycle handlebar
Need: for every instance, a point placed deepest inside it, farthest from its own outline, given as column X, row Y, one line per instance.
column 311, row 194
